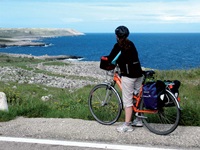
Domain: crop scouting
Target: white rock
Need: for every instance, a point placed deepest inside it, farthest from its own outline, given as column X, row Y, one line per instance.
column 3, row 102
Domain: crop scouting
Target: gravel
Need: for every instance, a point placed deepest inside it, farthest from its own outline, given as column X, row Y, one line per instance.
column 91, row 131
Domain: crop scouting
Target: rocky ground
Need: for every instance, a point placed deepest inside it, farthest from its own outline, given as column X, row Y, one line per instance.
column 74, row 74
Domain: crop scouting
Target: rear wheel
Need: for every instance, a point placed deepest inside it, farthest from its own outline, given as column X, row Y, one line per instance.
column 105, row 104
column 165, row 120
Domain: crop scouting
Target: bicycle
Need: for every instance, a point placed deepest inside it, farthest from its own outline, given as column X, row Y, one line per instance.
column 106, row 105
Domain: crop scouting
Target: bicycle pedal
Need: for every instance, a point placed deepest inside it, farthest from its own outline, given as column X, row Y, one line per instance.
column 139, row 116
column 142, row 117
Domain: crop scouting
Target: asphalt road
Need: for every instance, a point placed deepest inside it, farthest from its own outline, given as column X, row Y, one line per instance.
column 92, row 132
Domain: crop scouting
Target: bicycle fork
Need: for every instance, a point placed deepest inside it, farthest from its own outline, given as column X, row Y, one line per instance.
column 107, row 97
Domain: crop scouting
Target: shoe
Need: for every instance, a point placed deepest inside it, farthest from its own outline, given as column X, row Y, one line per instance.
column 137, row 122
column 125, row 128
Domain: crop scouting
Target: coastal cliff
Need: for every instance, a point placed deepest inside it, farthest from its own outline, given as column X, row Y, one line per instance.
column 28, row 36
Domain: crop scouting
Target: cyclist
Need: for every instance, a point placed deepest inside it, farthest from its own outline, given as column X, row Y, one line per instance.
column 131, row 74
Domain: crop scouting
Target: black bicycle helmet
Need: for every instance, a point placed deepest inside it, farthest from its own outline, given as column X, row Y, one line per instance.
column 122, row 32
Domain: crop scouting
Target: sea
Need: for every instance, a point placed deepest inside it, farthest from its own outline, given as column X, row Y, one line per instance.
column 163, row 51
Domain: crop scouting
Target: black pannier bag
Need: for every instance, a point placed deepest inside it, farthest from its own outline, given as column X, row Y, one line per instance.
column 174, row 88
column 105, row 64
column 151, row 93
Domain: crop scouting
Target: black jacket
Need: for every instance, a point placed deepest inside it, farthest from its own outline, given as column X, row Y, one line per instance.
column 128, row 61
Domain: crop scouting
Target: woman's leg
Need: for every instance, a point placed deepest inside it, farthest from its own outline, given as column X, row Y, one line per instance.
column 127, row 96
column 128, row 114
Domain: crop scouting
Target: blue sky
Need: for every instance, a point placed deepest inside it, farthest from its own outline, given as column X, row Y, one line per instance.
column 103, row 15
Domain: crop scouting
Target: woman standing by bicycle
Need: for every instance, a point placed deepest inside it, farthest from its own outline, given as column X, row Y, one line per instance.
column 131, row 74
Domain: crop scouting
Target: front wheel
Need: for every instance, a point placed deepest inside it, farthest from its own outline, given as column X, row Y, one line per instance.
column 105, row 104
column 164, row 120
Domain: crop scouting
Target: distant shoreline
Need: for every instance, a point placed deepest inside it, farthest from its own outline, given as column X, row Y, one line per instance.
column 44, row 57
column 8, row 42
column 28, row 36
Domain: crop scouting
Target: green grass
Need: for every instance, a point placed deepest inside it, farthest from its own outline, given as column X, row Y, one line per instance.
column 25, row 99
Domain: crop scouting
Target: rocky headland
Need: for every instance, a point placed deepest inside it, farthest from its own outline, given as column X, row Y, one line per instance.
column 30, row 36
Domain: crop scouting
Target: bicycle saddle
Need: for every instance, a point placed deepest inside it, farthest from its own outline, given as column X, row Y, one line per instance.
column 149, row 73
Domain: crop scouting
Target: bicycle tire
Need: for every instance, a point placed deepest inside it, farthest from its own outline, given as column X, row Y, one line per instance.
column 105, row 112
column 166, row 119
